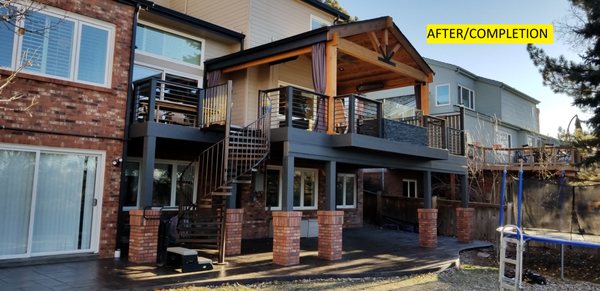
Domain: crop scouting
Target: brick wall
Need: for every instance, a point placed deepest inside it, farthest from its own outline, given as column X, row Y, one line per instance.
column 257, row 219
column 143, row 236
column 87, row 117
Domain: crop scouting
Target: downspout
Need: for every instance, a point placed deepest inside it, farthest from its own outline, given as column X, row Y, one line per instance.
column 126, row 131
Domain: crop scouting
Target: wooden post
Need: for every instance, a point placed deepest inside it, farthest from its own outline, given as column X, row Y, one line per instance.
column 424, row 97
column 331, row 79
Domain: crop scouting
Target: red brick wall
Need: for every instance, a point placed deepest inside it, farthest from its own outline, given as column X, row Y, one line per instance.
column 77, row 110
column 143, row 236
column 257, row 219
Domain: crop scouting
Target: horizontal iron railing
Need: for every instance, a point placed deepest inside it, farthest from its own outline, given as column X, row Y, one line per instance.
column 170, row 102
column 297, row 108
column 357, row 114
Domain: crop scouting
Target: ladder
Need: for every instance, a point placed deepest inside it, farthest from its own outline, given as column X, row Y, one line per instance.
column 511, row 235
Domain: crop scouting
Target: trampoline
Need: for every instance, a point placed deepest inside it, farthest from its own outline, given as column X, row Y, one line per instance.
column 518, row 235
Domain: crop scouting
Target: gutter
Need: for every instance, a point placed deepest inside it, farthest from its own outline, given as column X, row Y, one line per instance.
column 120, row 222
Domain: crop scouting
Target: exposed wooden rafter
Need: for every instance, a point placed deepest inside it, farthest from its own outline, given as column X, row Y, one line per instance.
column 373, row 58
column 271, row 59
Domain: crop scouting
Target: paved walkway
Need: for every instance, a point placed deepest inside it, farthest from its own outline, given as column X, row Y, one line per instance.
column 367, row 252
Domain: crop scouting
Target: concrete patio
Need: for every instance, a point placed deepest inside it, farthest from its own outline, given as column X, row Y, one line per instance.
column 366, row 252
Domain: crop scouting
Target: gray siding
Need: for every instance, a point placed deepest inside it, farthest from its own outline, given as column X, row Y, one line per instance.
column 518, row 111
column 487, row 99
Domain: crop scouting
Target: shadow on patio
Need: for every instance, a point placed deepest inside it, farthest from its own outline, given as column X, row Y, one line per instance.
column 367, row 252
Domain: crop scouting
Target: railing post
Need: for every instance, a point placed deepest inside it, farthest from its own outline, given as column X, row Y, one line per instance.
column 351, row 114
column 136, row 103
column 152, row 101
column 199, row 108
column 444, row 134
column 289, row 106
column 462, row 131
column 380, row 121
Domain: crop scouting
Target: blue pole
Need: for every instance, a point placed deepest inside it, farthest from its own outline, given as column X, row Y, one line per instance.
column 501, row 216
column 520, row 202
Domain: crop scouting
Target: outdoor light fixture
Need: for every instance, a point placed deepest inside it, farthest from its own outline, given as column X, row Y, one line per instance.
column 117, row 162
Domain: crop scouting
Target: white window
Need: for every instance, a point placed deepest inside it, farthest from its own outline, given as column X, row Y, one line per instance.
column 504, row 139
column 345, row 191
column 316, row 22
column 466, row 97
column 305, row 187
column 50, row 200
column 166, row 44
column 59, row 45
column 409, row 187
column 166, row 190
column 442, row 95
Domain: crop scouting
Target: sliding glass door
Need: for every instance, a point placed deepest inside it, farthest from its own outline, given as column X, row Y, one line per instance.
column 48, row 204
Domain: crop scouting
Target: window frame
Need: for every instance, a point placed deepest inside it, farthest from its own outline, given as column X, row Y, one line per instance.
column 78, row 22
column 437, row 104
column 415, row 188
column 174, row 163
column 318, row 19
column 178, row 33
column 98, row 193
column 471, row 97
column 345, row 205
column 280, row 196
column 508, row 136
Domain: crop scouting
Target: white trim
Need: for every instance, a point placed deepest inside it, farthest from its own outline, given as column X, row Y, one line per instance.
column 78, row 22
column 98, row 195
column 460, row 97
column 415, row 188
column 302, row 207
column 319, row 19
column 178, row 33
column 173, row 198
column 449, row 95
column 347, row 206
column 165, row 71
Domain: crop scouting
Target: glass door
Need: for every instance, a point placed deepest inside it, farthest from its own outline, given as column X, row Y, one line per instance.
column 50, row 203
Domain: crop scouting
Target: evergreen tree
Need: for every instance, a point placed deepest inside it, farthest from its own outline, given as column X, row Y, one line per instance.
column 578, row 79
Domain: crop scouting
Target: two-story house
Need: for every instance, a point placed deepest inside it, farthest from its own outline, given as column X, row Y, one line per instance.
column 240, row 120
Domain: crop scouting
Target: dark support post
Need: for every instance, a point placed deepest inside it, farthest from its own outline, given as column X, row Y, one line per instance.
column 287, row 174
column 147, row 171
column 464, row 194
column 330, row 176
column 290, row 106
column 152, row 101
column 232, row 199
column 199, row 108
column 380, row 122
column 462, row 131
column 351, row 114
column 418, row 96
column 427, row 189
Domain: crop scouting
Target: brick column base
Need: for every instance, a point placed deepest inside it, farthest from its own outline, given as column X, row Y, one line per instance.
column 464, row 224
column 330, row 234
column 286, row 237
column 428, row 227
column 233, row 231
column 143, row 236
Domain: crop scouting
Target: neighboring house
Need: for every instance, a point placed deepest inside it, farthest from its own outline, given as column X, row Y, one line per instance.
column 265, row 141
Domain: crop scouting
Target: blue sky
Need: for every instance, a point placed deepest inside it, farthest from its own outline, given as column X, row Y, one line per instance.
column 506, row 63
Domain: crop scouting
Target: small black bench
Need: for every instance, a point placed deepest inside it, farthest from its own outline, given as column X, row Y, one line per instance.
column 187, row 259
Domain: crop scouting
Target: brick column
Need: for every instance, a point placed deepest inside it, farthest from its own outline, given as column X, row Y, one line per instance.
column 330, row 234
column 428, row 227
column 464, row 224
column 233, row 231
column 286, row 237
column 143, row 236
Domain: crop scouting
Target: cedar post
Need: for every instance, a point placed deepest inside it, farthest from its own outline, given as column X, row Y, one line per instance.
column 331, row 79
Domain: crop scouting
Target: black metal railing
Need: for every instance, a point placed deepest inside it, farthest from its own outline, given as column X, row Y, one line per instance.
column 297, row 108
column 169, row 102
column 357, row 114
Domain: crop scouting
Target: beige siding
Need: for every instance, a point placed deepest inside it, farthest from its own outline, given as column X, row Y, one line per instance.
column 240, row 90
column 232, row 14
column 214, row 49
column 273, row 20
column 298, row 72
column 164, row 3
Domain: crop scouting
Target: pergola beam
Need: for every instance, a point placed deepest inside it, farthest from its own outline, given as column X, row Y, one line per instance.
column 372, row 57
column 274, row 58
